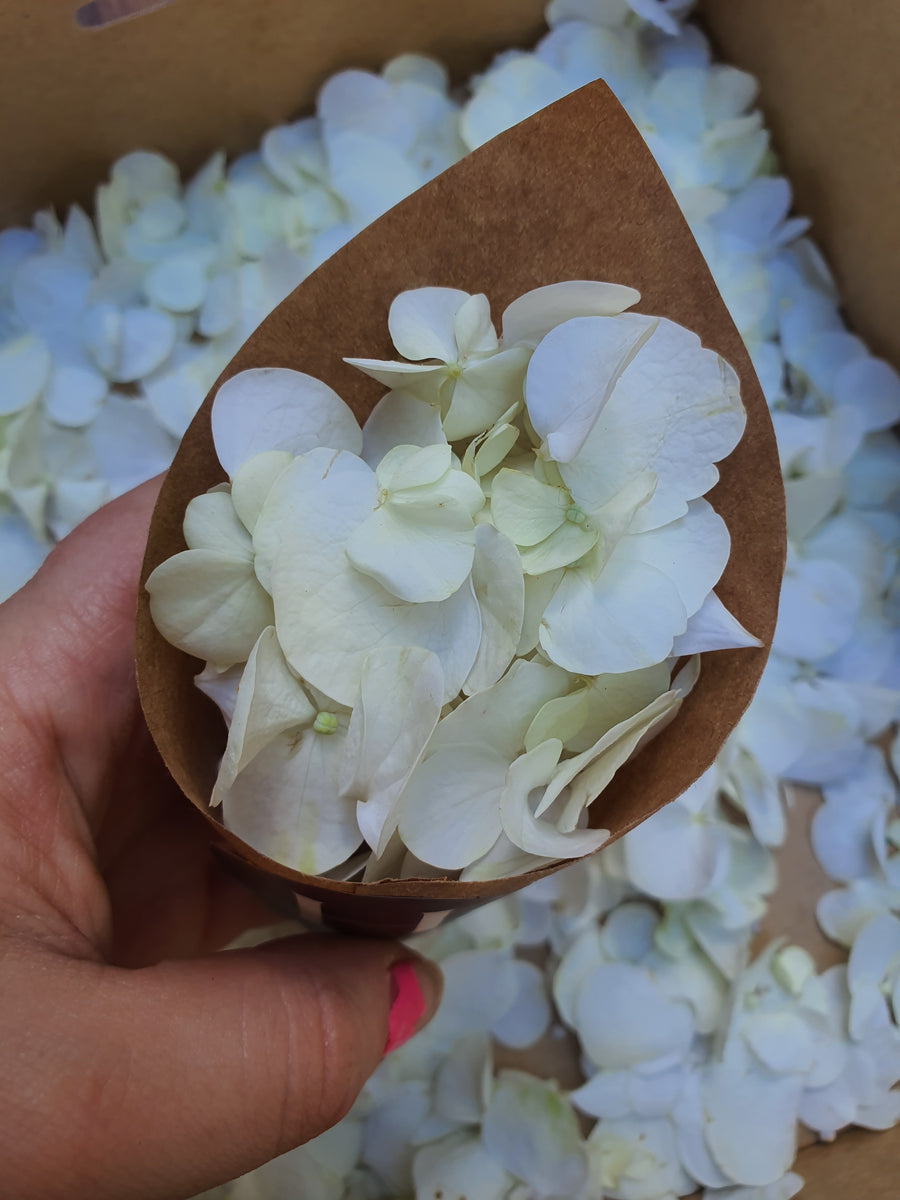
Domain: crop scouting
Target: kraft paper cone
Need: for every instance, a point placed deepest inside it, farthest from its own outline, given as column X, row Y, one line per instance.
column 571, row 193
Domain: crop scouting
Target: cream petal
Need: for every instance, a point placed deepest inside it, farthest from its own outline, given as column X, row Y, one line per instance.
column 483, row 392
column 252, row 482
column 424, row 381
column 146, row 339
column 534, row 314
column 572, row 374
column 329, row 616
column 270, row 701
column 273, row 408
column 450, row 811
column 691, row 552
column 399, row 419
column 530, row 771
column 589, row 773
column 500, row 592
column 398, row 708
column 672, row 383
column 499, row 717
column 472, row 327
column 419, row 555
column 524, row 509
column 286, row 804
column 564, row 546
column 210, row 523
column 624, row 620
column 712, row 627
column 209, row 605
column 421, row 323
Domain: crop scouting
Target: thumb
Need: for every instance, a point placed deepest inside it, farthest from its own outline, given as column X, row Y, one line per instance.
column 162, row 1082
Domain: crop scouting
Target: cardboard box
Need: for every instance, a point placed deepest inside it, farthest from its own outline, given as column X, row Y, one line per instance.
column 199, row 74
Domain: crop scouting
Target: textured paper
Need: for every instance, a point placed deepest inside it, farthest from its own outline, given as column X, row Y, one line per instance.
column 571, row 193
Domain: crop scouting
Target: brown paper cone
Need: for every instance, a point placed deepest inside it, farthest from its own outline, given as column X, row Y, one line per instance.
column 571, row 193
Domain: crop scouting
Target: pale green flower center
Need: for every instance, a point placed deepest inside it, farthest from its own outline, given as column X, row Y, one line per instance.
column 576, row 515
column 325, row 722
column 454, row 370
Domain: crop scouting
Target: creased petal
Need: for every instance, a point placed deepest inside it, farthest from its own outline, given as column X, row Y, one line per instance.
column 572, row 374
column 500, row 592
column 421, row 323
column 712, row 627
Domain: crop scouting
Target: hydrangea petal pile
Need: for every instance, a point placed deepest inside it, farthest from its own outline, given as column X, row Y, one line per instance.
column 111, row 336
column 436, row 639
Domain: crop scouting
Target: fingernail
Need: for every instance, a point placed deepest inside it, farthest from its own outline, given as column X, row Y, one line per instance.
column 415, row 988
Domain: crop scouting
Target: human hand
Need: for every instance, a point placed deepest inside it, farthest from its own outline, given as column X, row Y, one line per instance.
column 135, row 1063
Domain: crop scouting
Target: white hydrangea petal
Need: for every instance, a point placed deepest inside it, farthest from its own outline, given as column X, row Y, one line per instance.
column 73, row 501
column 572, row 374
column 221, row 687
column 624, row 620
column 422, row 554
column 127, row 444
column 329, row 616
column 421, row 323
column 712, row 627
column 817, row 609
column 462, row 1080
column 210, row 523
column 500, row 592
column 146, row 339
column 622, row 1018
column 502, row 861
column 584, row 716
column 874, row 956
column 460, row 1166
column 532, row 1130
column 473, row 329
column 450, row 811
column 692, row 552
column 605, row 1094
column 527, row 1018
column 399, row 419
column 534, row 314
column 399, row 705
column 695, row 394
column 362, row 101
column 530, row 771
column 499, row 717
column 209, row 605
column 483, row 392
column 489, row 450
column 252, row 482
column 478, row 989
column 524, row 509
column 286, row 804
column 587, row 774
column 270, row 701
column 424, row 381
column 408, row 467
column 566, row 545
column 274, row 408
column 673, row 856
column 25, row 364
column 539, row 591
column 517, row 89
column 74, row 395
column 783, row 1189
column 735, row 1101
column 872, row 387
column 178, row 283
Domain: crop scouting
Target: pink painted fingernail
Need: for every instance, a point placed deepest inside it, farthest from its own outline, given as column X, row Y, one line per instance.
column 408, row 1005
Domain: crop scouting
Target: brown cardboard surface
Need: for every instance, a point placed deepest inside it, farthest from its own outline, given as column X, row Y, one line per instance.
column 830, row 89
column 198, row 75
column 572, row 193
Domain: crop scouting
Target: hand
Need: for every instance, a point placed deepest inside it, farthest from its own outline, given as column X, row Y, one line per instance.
column 134, row 1061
